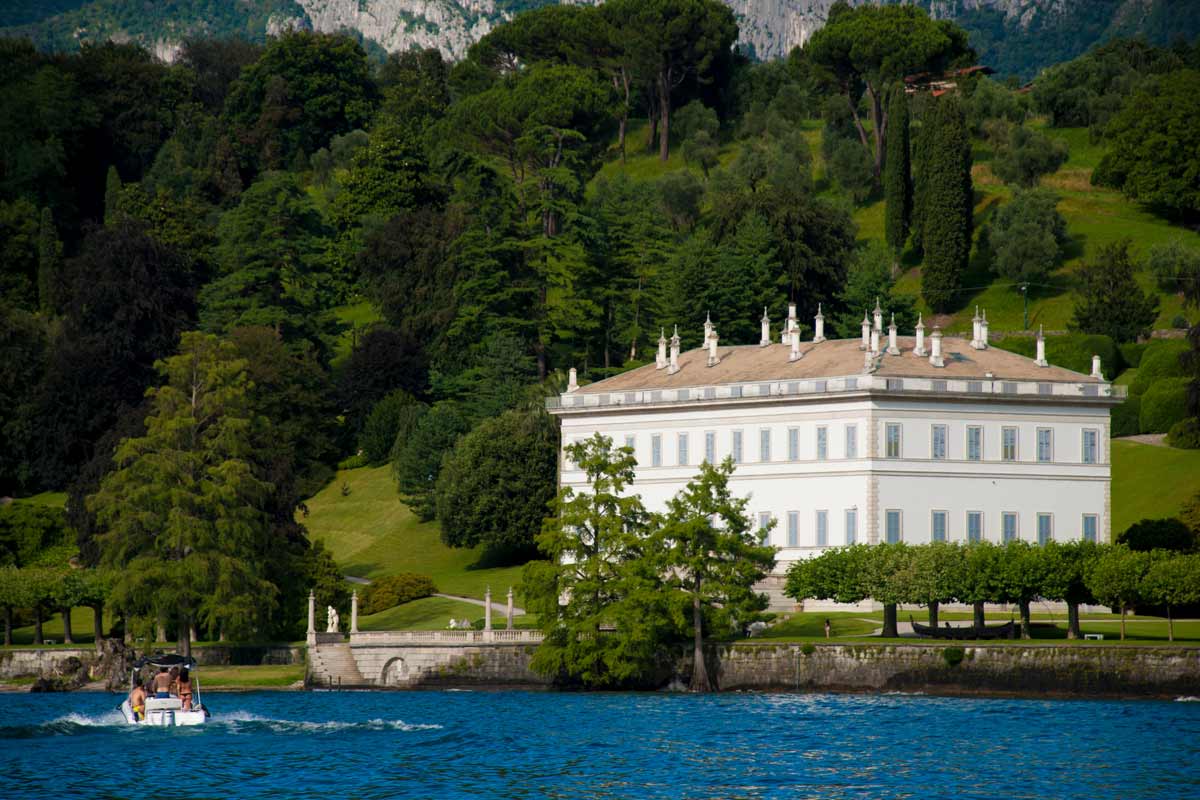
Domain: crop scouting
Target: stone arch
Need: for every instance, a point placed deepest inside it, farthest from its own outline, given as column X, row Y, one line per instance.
column 394, row 673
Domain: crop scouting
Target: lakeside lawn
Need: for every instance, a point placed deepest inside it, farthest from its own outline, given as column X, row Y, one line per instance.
column 371, row 534
column 264, row 676
column 1150, row 481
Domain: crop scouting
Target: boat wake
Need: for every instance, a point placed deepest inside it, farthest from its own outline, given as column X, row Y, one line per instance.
column 236, row 722
column 1187, row 699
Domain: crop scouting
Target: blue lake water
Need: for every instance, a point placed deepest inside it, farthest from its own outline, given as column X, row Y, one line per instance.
column 548, row 745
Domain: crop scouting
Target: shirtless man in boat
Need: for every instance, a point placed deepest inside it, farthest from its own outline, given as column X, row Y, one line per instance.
column 162, row 683
column 137, row 702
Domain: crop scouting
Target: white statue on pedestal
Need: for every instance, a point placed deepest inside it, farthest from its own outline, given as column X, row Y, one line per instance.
column 332, row 615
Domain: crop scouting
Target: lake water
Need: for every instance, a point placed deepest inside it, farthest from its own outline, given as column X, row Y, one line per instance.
column 547, row 745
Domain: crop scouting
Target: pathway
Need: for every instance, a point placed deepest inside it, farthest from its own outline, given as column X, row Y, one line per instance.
column 501, row 607
column 1156, row 439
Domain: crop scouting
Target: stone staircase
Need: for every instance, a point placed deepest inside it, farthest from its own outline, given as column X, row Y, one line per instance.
column 332, row 665
column 772, row 587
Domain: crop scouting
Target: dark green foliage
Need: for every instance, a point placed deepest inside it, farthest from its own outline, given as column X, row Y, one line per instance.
column 1126, row 417
column 1132, row 353
column 870, row 279
column 1164, row 404
column 1185, row 434
column 1072, row 351
column 1153, row 144
column 680, row 195
column 383, row 360
column 19, row 254
column 1174, row 265
column 989, row 100
column 953, row 656
column 1110, row 300
column 1027, row 236
column 897, row 175
column 419, row 461
column 381, row 427
column 1163, row 359
column 849, row 165
column 322, row 576
column 49, row 263
column 28, row 529
column 305, row 89
column 946, row 203
column 1024, row 155
column 1159, row 534
column 23, row 341
column 495, row 486
column 693, row 119
column 394, row 590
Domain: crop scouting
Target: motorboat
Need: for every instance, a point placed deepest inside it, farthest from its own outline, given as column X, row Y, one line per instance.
column 165, row 712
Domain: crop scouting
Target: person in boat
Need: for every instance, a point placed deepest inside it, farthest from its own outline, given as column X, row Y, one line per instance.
column 184, row 684
column 174, row 681
column 162, row 683
column 137, row 702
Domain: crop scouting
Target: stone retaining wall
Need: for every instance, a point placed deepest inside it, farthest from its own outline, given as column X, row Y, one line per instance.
column 422, row 665
column 34, row 662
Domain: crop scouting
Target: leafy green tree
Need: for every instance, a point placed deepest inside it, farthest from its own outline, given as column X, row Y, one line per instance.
column 712, row 556
column 947, row 203
column 381, row 426
column 871, row 279
column 183, row 514
column 1152, row 144
column 897, row 177
column 695, row 118
column 1027, row 236
column 112, row 195
column 67, row 592
column 838, row 574
column 982, row 578
column 935, row 575
column 415, row 86
column 49, row 263
column 670, row 42
column 387, row 176
column 27, row 529
column 305, row 89
column 989, row 100
column 702, row 150
column 1168, row 534
column 867, row 48
column 23, row 344
column 1172, row 581
column 1025, row 570
column 611, row 630
column 418, row 463
column 495, row 486
column 680, row 195
column 13, row 594
column 1175, row 267
column 269, row 251
column 850, row 168
column 888, row 577
column 1025, row 155
column 1115, row 578
column 1110, row 300
column 19, row 223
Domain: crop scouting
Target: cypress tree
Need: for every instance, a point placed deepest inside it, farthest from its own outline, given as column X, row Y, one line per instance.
column 948, row 203
column 49, row 256
column 897, row 177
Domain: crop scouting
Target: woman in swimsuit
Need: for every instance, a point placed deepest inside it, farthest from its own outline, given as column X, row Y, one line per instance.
column 184, row 683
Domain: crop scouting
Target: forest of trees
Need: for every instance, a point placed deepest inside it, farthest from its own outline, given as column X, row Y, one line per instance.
column 178, row 241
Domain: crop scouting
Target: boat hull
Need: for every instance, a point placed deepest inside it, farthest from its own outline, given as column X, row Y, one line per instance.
column 165, row 717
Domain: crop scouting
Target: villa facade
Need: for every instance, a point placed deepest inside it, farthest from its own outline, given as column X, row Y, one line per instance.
column 878, row 439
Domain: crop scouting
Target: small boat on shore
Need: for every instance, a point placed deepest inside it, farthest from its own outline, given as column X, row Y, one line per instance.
column 965, row 632
column 165, row 712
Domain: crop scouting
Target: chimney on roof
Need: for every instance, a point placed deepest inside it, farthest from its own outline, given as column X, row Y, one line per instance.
column 935, row 344
column 868, row 362
column 1041, row 349
column 874, row 342
column 712, row 350
column 572, row 380
column 819, row 335
column 794, row 355
column 893, row 347
column 866, row 332
column 766, row 329
column 878, row 316
column 1096, row 373
column 674, row 367
column 660, row 360
column 789, row 325
column 708, row 327
column 919, row 350
column 983, row 331
column 975, row 329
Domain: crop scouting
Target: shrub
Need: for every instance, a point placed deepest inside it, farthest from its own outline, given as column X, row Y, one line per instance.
column 954, row 655
column 1132, row 352
column 395, row 590
column 1163, row 405
column 379, row 431
column 353, row 462
column 1072, row 351
column 1158, row 534
column 808, row 648
column 1126, row 418
column 1161, row 360
column 1179, row 322
column 1185, row 434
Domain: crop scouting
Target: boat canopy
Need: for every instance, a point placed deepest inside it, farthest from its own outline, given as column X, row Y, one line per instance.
column 165, row 660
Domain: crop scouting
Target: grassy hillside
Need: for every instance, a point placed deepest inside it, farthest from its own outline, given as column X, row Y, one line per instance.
column 430, row 614
column 371, row 534
column 1151, row 481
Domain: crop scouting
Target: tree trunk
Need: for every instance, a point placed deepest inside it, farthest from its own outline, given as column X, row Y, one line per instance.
column 8, row 626
column 68, row 638
column 1025, row 633
column 889, row 622
column 652, row 128
column 664, row 117
column 160, row 630
column 933, row 614
column 37, row 624
column 185, row 636
column 700, row 682
column 1122, row 622
column 980, row 620
column 97, row 625
column 1073, row 631
column 879, row 121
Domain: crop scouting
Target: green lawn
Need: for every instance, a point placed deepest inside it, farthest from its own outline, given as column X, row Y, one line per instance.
column 812, row 626
column 52, row 628
column 265, row 676
column 1150, row 481
column 371, row 534
column 430, row 614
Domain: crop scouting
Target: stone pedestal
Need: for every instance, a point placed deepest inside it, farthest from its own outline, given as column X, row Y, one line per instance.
column 510, row 609
column 311, row 636
column 487, row 609
column 354, row 611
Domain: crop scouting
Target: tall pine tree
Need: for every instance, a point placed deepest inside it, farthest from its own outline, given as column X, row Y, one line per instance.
column 897, row 177
column 948, row 203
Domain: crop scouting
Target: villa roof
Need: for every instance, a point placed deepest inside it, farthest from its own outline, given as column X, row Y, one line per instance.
column 833, row 358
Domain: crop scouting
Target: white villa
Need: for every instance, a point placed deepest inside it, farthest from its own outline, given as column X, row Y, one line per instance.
column 886, row 438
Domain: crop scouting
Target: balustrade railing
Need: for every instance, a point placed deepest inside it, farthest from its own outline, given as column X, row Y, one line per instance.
column 517, row 636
